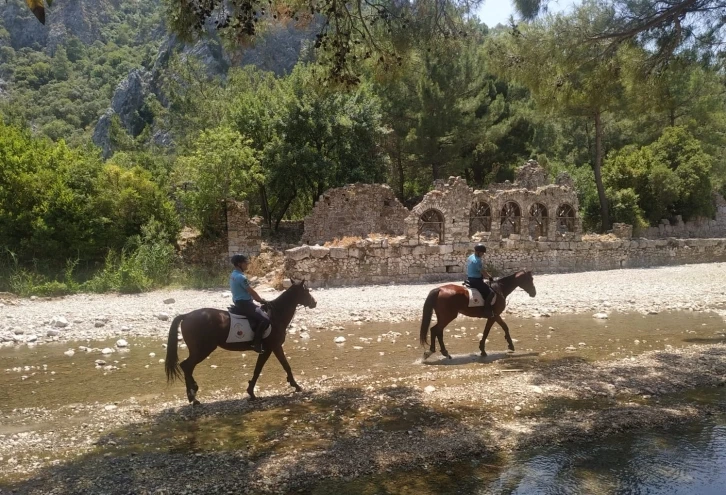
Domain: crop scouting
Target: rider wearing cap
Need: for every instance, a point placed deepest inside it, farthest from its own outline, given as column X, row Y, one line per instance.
column 242, row 296
column 476, row 272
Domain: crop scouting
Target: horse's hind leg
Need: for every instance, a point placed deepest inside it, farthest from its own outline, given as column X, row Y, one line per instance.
column 432, row 347
column 187, row 367
column 438, row 332
column 261, row 360
column 506, row 332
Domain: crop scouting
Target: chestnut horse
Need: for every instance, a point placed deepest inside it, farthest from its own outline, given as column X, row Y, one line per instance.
column 449, row 301
column 206, row 329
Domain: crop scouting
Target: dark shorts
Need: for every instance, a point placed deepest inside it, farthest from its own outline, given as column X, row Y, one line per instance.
column 478, row 284
column 253, row 312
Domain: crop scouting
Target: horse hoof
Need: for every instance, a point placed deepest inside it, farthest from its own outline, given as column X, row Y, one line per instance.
column 298, row 389
column 511, row 349
column 446, row 355
column 427, row 354
column 483, row 354
column 195, row 402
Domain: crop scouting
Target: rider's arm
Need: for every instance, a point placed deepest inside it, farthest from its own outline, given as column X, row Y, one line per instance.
column 255, row 295
column 485, row 273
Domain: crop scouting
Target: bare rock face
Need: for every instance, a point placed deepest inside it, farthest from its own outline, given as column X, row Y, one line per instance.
column 129, row 104
column 82, row 19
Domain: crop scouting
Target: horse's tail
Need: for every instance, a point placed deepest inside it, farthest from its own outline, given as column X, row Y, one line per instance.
column 171, row 365
column 428, row 309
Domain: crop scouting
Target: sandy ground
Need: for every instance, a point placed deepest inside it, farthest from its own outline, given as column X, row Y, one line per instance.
column 369, row 420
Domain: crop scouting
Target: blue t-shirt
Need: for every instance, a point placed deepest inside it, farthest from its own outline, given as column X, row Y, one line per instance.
column 474, row 266
column 239, row 285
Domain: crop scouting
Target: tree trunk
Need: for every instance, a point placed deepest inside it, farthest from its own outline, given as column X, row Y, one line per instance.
column 265, row 205
column 604, row 210
column 284, row 209
column 401, row 177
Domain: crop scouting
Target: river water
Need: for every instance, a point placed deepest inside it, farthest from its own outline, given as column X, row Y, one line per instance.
column 685, row 460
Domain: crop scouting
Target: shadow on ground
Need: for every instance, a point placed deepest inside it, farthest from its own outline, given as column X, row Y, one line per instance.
column 230, row 446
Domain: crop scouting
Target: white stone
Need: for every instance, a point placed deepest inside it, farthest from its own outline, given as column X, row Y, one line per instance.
column 31, row 338
column 121, row 343
column 100, row 362
column 163, row 316
column 600, row 316
column 430, row 389
column 152, row 354
column 107, row 350
column 53, row 332
column 69, row 352
column 99, row 324
column 170, row 300
column 339, row 340
column 59, row 322
column 111, row 407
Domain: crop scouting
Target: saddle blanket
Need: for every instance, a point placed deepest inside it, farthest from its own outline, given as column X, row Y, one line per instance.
column 476, row 300
column 240, row 330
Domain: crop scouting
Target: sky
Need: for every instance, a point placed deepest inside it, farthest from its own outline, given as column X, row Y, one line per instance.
column 493, row 12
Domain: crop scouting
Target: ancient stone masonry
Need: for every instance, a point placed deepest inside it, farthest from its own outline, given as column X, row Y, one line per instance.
column 237, row 235
column 403, row 260
column 243, row 235
column 443, row 214
column 698, row 227
column 355, row 210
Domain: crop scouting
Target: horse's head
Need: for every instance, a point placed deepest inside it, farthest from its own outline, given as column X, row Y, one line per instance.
column 302, row 294
column 525, row 281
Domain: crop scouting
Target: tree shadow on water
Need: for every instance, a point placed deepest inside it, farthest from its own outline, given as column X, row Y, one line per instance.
column 236, row 445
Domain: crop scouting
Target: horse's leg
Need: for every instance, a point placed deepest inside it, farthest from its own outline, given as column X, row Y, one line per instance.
column 485, row 335
column 440, row 326
column 432, row 347
column 261, row 360
column 188, row 365
column 506, row 332
column 280, row 355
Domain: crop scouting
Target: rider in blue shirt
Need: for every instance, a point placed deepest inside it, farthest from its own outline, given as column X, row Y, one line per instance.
column 242, row 296
column 476, row 272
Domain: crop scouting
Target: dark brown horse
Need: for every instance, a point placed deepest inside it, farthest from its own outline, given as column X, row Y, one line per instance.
column 449, row 301
column 206, row 329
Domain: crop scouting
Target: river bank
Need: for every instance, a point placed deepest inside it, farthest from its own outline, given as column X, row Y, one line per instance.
column 91, row 316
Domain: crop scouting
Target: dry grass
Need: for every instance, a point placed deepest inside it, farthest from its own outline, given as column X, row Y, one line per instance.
column 345, row 242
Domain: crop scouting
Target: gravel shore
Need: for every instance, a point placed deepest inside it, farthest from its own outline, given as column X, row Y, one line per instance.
column 693, row 287
column 357, row 415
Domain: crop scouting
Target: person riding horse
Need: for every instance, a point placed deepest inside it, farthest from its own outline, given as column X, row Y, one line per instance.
column 476, row 272
column 242, row 296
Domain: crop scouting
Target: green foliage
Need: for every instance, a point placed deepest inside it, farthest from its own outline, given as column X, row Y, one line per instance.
column 58, row 203
column 668, row 177
column 222, row 165
column 63, row 93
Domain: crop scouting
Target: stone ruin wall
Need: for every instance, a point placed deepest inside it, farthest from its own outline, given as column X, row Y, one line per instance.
column 696, row 228
column 356, row 210
column 238, row 235
column 404, row 260
column 243, row 235
column 528, row 224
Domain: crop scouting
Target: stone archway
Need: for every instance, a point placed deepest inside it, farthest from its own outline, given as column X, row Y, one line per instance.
column 511, row 219
column 431, row 225
column 566, row 218
column 480, row 218
column 538, row 221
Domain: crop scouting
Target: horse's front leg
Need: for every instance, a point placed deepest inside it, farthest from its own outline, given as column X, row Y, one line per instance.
column 261, row 360
column 506, row 332
column 485, row 335
column 280, row 355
